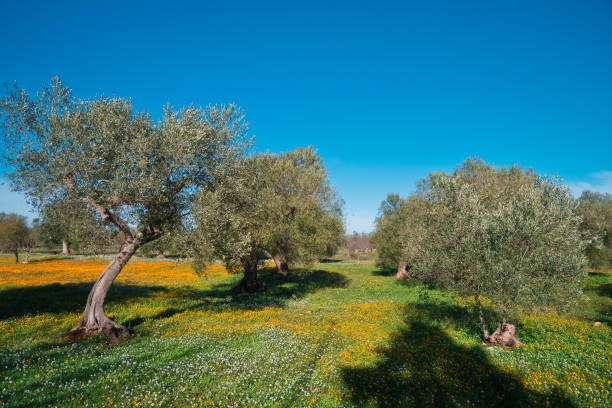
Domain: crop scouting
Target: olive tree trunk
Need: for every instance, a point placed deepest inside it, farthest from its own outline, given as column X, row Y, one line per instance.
column 504, row 334
column 94, row 320
column 481, row 317
column 402, row 273
column 65, row 247
column 249, row 283
column 281, row 266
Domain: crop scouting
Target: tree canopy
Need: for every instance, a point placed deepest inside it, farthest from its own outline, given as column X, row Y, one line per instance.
column 596, row 212
column 387, row 235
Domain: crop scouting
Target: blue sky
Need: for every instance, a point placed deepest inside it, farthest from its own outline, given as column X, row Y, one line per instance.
column 386, row 91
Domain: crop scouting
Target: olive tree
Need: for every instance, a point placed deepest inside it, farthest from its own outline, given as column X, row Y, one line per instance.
column 596, row 212
column 387, row 236
column 14, row 234
column 276, row 206
column 137, row 173
column 507, row 234
column 399, row 233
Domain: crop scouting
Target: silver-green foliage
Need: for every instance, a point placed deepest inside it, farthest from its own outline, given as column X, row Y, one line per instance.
column 596, row 212
column 400, row 231
column 387, row 236
column 275, row 204
column 507, row 234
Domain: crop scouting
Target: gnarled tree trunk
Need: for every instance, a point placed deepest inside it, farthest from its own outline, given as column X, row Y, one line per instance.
column 16, row 256
column 65, row 247
column 504, row 335
column 94, row 320
column 249, row 283
column 402, row 273
column 281, row 265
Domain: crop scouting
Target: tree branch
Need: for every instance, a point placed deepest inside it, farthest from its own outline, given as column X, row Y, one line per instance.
column 110, row 217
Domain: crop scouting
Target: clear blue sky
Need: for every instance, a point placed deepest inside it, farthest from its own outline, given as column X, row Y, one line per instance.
column 386, row 91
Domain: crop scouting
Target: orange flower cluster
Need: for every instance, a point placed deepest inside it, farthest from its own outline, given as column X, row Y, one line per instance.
column 49, row 270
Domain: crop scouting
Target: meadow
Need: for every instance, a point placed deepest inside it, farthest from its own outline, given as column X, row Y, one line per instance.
column 337, row 334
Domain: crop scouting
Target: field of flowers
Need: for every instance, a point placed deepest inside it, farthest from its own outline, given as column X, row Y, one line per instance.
column 339, row 334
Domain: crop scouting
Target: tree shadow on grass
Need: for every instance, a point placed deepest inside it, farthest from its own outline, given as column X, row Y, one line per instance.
column 598, row 273
column 424, row 367
column 61, row 298
column 222, row 297
column 604, row 290
column 384, row 271
column 330, row 260
column 279, row 289
column 450, row 316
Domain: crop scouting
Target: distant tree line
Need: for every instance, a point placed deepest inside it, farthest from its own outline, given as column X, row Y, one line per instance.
column 15, row 234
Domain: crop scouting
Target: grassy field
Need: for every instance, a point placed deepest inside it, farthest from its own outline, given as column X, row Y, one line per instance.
column 341, row 334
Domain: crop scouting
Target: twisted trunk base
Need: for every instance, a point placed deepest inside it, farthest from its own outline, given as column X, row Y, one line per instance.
column 249, row 283
column 402, row 272
column 281, row 266
column 94, row 320
column 504, row 335
column 113, row 331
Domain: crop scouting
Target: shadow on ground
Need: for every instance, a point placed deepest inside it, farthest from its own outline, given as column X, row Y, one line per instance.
column 605, row 290
column 382, row 271
column 330, row 260
column 61, row 298
column 222, row 296
column 424, row 367
column 278, row 289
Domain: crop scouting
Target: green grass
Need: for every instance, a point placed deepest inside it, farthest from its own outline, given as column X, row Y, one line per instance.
column 340, row 335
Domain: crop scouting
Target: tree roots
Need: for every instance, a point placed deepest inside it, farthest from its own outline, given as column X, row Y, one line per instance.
column 114, row 332
column 504, row 335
